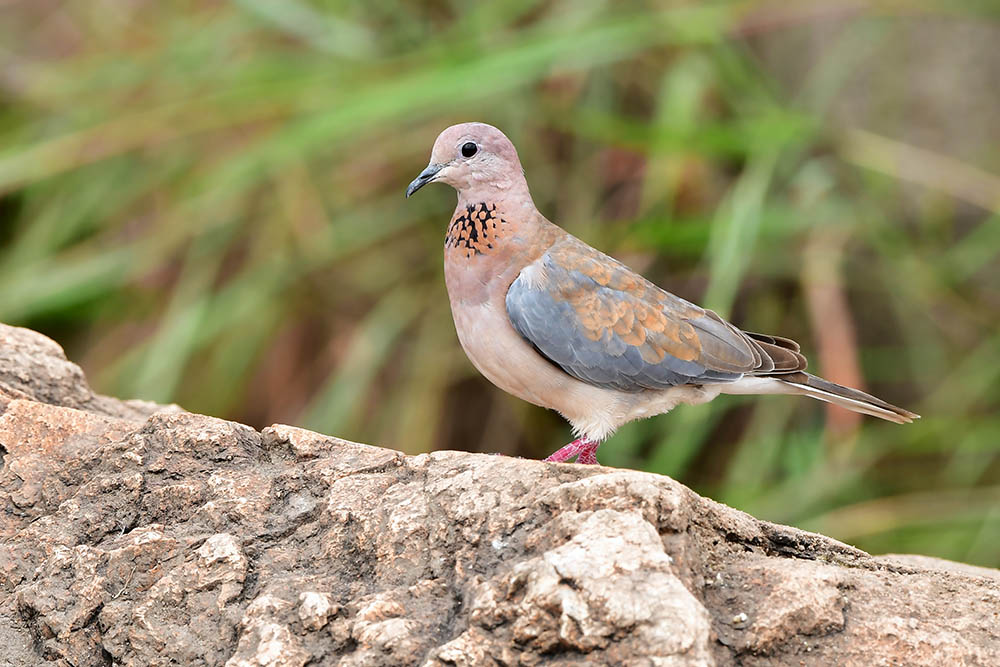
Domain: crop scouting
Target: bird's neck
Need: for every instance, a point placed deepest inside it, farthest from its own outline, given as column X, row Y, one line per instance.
column 489, row 241
column 477, row 228
column 486, row 222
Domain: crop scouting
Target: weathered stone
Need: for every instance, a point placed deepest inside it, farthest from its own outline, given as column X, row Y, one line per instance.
column 34, row 367
column 172, row 538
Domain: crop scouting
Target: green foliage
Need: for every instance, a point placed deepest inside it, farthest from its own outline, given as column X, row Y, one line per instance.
column 204, row 203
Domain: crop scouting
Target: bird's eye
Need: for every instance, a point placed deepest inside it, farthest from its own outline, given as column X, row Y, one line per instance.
column 469, row 149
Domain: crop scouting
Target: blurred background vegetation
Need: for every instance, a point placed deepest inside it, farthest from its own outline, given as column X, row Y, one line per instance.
column 203, row 202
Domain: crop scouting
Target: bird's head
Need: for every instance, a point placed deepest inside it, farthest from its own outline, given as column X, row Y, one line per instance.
column 473, row 158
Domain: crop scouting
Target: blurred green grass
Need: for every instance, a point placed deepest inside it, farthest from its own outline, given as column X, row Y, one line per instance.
column 203, row 204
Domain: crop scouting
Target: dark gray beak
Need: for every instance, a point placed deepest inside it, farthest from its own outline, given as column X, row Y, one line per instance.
column 425, row 177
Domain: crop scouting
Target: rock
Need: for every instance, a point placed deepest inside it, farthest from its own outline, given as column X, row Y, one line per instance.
column 137, row 536
column 34, row 367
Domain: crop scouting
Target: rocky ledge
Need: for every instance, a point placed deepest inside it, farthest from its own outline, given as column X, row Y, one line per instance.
column 134, row 534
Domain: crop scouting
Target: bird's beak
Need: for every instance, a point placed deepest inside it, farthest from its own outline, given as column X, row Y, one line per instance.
column 425, row 177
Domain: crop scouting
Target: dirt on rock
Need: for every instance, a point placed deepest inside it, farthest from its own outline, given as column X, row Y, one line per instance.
column 136, row 534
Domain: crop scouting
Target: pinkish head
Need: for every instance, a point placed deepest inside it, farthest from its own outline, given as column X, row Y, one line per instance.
column 473, row 158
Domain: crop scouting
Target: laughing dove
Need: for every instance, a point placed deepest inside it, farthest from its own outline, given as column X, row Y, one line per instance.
column 559, row 324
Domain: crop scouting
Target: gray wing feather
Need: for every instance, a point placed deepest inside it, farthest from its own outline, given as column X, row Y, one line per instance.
column 553, row 327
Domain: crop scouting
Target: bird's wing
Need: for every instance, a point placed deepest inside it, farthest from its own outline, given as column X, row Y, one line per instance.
column 606, row 325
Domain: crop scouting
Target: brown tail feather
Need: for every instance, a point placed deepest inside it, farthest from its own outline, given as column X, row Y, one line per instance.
column 783, row 354
column 852, row 399
column 780, row 341
column 785, row 360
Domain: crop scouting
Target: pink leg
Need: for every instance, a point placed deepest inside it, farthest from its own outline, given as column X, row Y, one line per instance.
column 584, row 450
column 589, row 457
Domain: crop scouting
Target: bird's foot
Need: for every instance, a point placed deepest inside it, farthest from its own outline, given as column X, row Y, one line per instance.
column 583, row 449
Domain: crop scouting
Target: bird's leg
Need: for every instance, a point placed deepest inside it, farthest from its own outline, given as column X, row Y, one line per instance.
column 585, row 450
column 589, row 456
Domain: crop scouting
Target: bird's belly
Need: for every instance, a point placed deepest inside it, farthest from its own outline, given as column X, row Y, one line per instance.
column 505, row 359
column 509, row 362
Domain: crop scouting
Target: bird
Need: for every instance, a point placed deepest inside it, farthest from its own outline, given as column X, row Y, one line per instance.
column 557, row 323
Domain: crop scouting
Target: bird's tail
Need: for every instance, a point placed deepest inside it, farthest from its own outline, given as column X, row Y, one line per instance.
column 804, row 384
column 845, row 397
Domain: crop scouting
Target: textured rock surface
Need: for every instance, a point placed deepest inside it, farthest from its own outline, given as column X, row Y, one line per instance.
column 135, row 537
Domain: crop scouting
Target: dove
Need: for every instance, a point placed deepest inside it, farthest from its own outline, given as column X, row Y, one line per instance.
column 557, row 323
